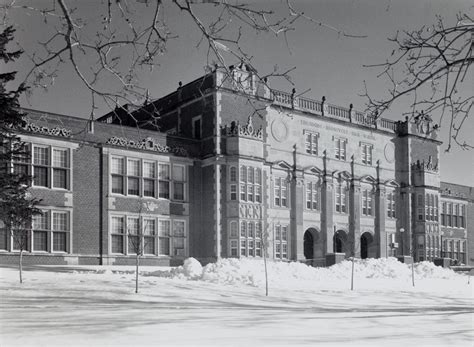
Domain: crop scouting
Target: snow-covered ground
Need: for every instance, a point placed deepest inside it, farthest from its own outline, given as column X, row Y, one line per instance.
column 224, row 304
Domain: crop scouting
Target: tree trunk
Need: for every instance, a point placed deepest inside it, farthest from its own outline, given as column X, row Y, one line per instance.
column 413, row 272
column 136, row 272
column 21, row 265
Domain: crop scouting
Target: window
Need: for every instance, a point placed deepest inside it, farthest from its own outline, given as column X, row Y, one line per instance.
column 341, row 198
column 50, row 166
column 40, row 166
column 164, row 237
column 197, row 127
column 179, row 238
column 436, row 208
column 233, row 230
column 443, row 214
column 311, row 143
column 281, row 192
column 233, row 182
column 340, row 148
column 117, row 171
column 40, row 232
column 60, row 168
column 134, row 237
column 149, row 236
column 21, row 161
column 133, row 177
column 391, row 205
column 250, row 238
column 462, row 217
column 367, row 202
column 179, row 178
column 420, row 207
column 448, row 215
column 118, row 234
column 312, row 196
column 281, row 241
column 149, row 175
column 164, row 180
column 250, row 184
column 455, row 215
column 366, row 154
column 60, row 229
column 234, row 248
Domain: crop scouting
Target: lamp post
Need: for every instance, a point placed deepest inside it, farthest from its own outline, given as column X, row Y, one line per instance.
column 402, row 230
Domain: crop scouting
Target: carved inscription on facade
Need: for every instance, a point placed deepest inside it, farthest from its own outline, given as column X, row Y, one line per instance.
column 249, row 211
column 147, row 144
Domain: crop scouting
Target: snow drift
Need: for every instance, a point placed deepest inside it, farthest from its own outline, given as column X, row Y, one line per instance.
column 369, row 274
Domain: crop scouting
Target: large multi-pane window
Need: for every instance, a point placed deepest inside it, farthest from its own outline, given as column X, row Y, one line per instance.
column 312, row 196
column 311, row 143
column 367, row 202
column 147, row 235
column 281, row 241
column 250, row 184
column 250, row 239
column 280, row 192
column 50, row 231
column 340, row 148
column 453, row 214
column 136, row 177
column 366, row 154
column 341, row 197
column 49, row 166
column 391, row 205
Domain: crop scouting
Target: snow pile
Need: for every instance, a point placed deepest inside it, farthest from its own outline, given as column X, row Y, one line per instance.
column 368, row 274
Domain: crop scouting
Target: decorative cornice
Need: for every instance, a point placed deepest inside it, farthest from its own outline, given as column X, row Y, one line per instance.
column 422, row 166
column 148, row 144
column 32, row 127
column 247, row 130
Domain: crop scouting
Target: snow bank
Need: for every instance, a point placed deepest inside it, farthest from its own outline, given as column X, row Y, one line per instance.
column 368, row 274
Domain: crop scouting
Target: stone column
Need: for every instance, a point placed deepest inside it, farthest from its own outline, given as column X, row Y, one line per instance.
column 296, row 217
column 327, row 211
column 380, row 233
column 354, row 218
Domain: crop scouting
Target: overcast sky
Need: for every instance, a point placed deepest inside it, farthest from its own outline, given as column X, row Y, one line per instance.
column 326, row 64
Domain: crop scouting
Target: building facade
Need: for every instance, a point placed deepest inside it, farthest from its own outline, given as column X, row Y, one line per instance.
column 226, row 167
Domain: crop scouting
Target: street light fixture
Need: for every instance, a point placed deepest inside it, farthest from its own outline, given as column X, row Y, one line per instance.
column 402, row 230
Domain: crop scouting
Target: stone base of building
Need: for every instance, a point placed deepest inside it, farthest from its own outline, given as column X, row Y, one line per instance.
column 444, row 262
column 406, row 259
column 334, row 258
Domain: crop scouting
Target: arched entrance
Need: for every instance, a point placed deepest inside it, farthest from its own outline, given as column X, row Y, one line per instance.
column 339, row 241
column 308, row 244
column 365, row 245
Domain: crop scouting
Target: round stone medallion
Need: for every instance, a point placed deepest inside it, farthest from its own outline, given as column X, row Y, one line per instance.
column 389, row 152
column 279, row 130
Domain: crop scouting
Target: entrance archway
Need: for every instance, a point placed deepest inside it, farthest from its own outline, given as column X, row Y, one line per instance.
column 308, row 244
column 365, row 244
column 339, row 241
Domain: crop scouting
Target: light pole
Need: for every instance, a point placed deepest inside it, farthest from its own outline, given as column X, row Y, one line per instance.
column 402, row 230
